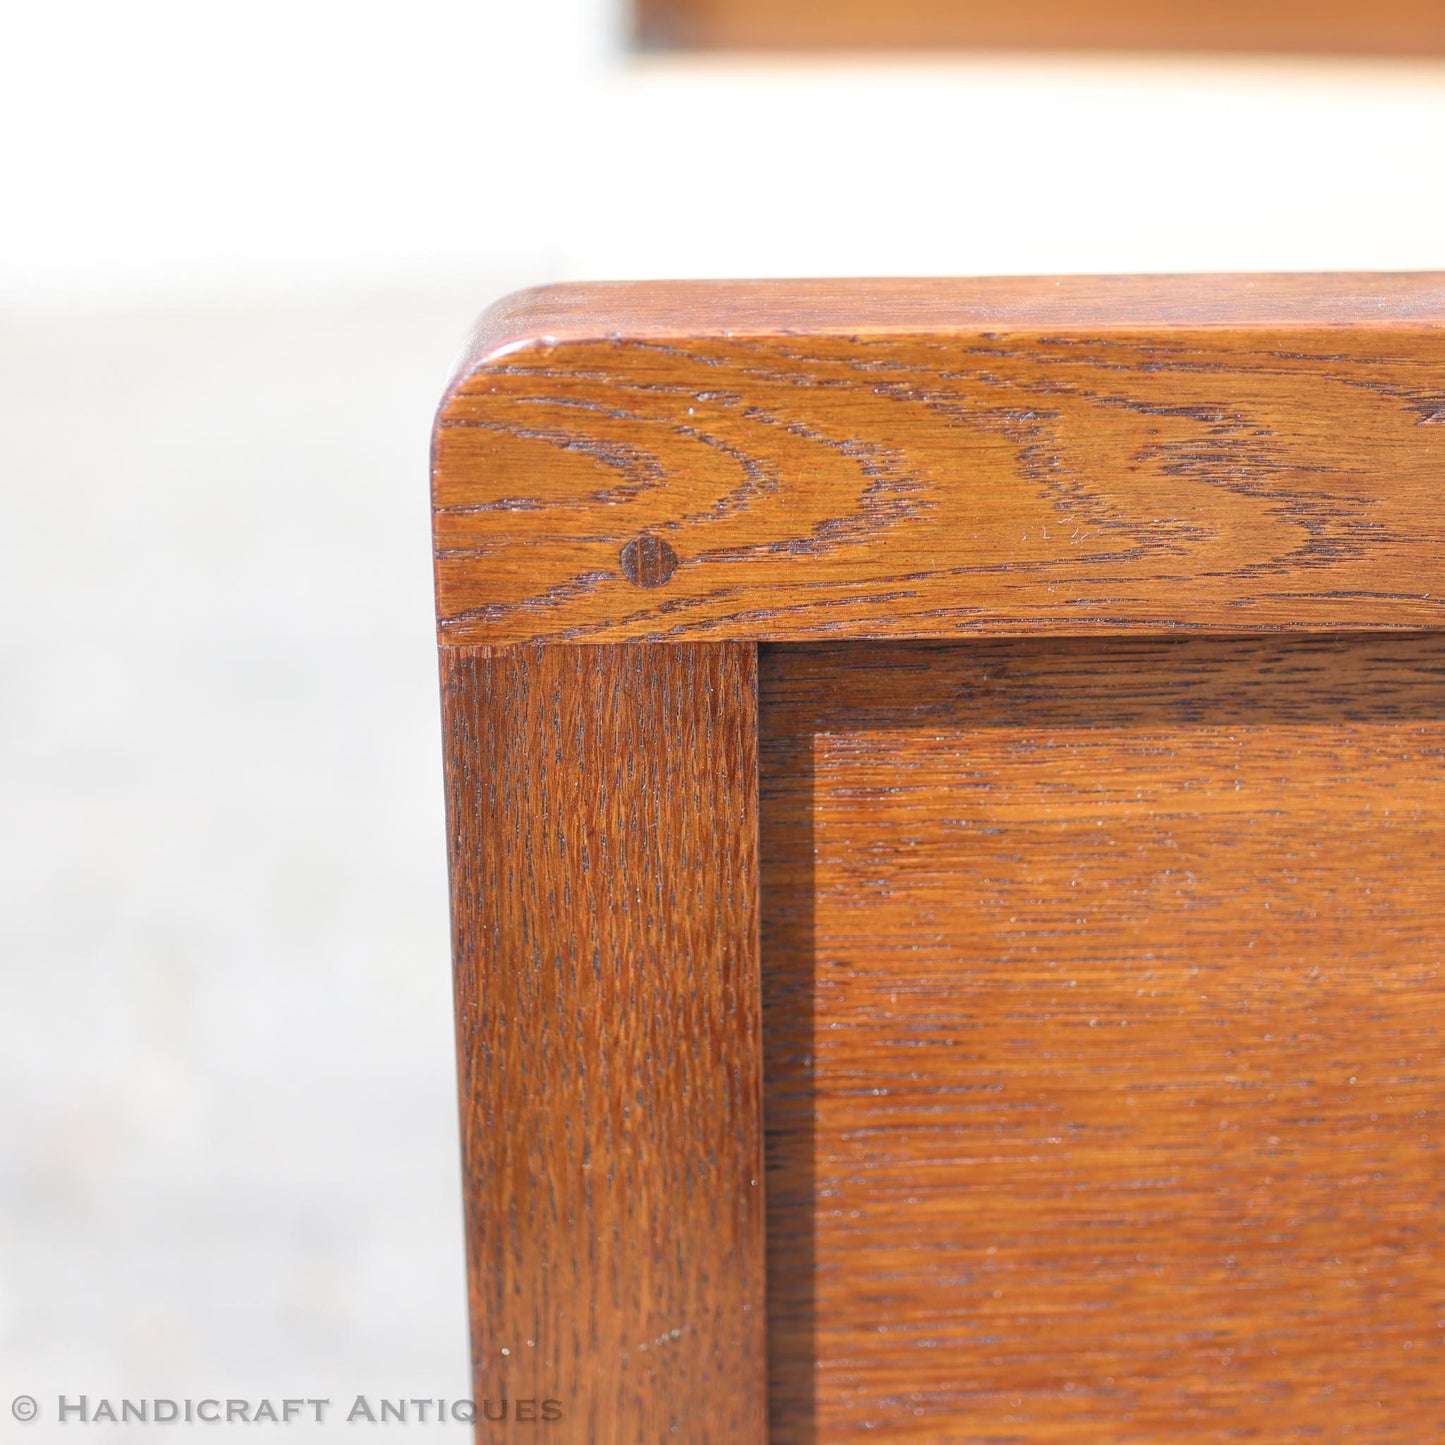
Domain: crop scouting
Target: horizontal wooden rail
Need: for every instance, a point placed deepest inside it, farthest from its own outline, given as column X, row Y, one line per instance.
column 787, row 460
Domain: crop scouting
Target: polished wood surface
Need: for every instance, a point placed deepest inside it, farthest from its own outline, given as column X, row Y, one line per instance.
column 602, row 829
column 783, row 461
column 1103, row 1020
column 1097, row 1033
column 1350, row 27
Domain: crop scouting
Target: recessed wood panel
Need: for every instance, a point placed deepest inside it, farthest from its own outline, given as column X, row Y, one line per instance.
column 1103, row 1047
column 1398, row 27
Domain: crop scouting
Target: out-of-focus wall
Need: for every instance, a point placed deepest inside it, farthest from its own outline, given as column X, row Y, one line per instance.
column 161, row 147
column 239, row 249
column 164, row 147
column 227, row 1118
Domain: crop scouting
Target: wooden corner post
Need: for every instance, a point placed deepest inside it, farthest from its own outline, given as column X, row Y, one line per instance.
column 602, row 806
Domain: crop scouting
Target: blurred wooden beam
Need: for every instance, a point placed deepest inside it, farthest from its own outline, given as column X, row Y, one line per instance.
column 1337, row 27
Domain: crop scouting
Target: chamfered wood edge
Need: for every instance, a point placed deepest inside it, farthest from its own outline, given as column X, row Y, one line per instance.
column 580, row 311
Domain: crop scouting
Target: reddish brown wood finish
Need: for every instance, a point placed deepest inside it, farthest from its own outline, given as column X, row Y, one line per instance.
column 602, row 820
column 929, row 459
column 1104, row 1022
column 1390, row 27
column 1103, row 998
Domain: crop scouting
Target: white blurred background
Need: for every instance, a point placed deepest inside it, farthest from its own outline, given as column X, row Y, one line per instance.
column 239, row 248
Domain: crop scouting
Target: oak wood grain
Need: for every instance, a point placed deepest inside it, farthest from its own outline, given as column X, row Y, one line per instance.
column 929, row 459
column 1390, row 27
column 602, row 828
column 1103, row 1016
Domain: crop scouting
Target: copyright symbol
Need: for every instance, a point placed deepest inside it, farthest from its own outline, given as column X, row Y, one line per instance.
column 24, row 1408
